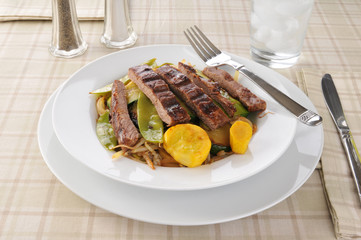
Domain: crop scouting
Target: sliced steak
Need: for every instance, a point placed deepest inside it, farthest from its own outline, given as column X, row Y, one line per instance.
column 235, row 89
column 124, row 129
column 194, row 97
column 210, row 87
column 157, row 90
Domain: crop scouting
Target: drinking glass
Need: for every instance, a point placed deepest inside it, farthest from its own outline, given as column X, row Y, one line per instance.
column 278, row 29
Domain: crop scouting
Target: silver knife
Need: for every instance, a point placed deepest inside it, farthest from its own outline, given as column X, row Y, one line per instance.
column 334, row 106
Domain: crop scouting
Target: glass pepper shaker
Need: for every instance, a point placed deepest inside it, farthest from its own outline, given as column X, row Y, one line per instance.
column 67, row 40
column 118, row 30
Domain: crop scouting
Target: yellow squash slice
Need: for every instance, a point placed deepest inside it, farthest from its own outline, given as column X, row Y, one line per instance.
column 188, row 144
column 240, row 135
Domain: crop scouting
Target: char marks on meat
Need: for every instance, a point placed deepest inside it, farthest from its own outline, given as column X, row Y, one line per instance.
column 124, row 129
column 157, row 90
column 210, row 87
column 194, row 97
column 235, row 89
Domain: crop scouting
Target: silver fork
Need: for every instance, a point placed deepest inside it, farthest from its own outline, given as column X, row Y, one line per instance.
column 212, row 56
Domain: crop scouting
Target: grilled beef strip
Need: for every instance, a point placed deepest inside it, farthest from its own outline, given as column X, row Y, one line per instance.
column 235, row 89
column 124, row 129
column 194, row 97
column 157, row 90
column 210, row 87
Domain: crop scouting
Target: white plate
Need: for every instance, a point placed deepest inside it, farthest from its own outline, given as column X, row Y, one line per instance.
column 74, row 120
column 207, row 206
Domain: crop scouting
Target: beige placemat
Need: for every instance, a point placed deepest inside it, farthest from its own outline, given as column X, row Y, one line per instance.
column 41, row 9
column 340, row 190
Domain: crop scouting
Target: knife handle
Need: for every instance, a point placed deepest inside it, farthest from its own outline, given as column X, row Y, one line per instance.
column 354, row 159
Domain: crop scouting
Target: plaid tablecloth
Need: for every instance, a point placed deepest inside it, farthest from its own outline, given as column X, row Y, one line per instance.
column 35, row 205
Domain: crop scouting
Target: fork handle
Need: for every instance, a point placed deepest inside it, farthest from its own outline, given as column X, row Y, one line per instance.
column 304, row 115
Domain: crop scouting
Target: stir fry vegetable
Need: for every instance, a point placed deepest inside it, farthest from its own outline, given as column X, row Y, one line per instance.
column 105, row 131
column 219, row 136
column 149, row 122
column 240, row 135
column 240, row 109
column 103, row 90
column 125, row 79
column 191, row 144
column 188, row 144
column 133, row 92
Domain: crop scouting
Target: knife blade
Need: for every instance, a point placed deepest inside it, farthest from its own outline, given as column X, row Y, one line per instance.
column 334, row 106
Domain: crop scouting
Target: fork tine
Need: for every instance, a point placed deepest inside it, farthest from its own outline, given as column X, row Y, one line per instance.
column 210, row 44
column 197, row 46
column 203, row 44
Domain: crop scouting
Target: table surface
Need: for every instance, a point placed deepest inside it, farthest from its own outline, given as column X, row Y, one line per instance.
column 35, row 205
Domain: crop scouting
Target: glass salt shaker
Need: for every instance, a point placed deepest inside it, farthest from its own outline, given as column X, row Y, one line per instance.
column 67, row 40
column 118, row 30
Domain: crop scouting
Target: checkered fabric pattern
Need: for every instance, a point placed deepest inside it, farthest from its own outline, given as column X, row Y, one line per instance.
column 340, row 190
column 35, row 205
